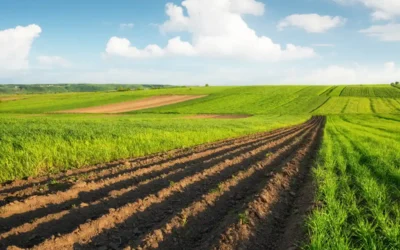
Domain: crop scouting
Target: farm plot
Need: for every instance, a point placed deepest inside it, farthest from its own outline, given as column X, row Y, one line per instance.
column 346, row 105
column 371, row 91
column 146, row 103
column 358, row 184
column 248, row 193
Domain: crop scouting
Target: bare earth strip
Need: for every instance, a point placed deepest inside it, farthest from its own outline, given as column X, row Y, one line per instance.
column 11, row 98
column 245, row 193
column 151, row 102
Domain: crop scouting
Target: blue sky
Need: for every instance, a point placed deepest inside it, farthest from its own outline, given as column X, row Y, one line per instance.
column 221, row 42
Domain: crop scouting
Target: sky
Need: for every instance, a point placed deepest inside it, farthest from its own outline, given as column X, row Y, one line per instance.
column 194, row 42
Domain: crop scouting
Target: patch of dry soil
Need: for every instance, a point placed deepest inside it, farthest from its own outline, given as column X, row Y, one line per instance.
column 146, row 103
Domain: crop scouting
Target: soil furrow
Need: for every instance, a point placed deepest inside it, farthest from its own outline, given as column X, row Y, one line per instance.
column 185, row 228
column 265, row 214
column 117, row 182
column 172, row 193
column 87, row 197
column 250, row 192
column 114, row 169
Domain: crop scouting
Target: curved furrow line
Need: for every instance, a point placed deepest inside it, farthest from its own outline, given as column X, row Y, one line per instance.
column 190, row 185
column 184, row 229
column 103, row 206
column 117, row 169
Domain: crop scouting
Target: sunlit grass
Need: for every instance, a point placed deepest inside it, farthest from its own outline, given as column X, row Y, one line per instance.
column 32, row 146
column 358, row 179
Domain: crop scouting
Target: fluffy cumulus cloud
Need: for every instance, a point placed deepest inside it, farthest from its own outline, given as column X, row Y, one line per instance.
column 15, row 45
column 388, row 32
column 356, row 74
column 52, row 61
column 381, row 9
column 312, row 23
column 217, row 29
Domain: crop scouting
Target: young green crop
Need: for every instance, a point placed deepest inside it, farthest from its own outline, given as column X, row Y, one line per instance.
column 371, row 91
column 264, row 100
column 359, row 105
column 31, row 146
column 358, row 179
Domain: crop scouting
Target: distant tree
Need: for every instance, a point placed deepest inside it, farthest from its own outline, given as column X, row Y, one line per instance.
column 397, row 83
column 207, row 85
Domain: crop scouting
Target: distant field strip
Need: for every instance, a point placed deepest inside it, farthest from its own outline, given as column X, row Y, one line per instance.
column 218, row 116
column 151, row 102
column 371, row 91
column 359, row 105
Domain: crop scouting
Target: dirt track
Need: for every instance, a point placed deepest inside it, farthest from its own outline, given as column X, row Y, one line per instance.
column 245, row 193
column 146, row 103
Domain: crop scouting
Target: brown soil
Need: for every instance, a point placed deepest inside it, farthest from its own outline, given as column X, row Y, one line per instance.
column 251, row 192
column 218, row 116
column 10, row 98
column 151, row 102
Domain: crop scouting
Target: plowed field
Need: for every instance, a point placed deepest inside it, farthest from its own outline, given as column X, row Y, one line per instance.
column 146, row 103
column 244, row 193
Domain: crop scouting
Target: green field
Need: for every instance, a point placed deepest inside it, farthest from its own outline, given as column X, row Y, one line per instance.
column 358, row 177
column 27, row 128
column 269, row 100
column 63, row 88
column 357, row 172
column 36, row 145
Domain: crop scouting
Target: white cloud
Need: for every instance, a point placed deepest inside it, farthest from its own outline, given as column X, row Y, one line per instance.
column 126, row 26
column 312, row 23
column 356, row 74
column 389, row 32
column 53, row 61
column 15, row 45
column 381, row 9
column 122, row 47
column 217, row 29
column 251, row 7
column 177, row 20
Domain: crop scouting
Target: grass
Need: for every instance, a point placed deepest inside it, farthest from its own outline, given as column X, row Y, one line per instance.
column 233, row 100
column 359, row 105
column 358, row 173
column 263, row 100
column 358, row 184
column 32, row 146
column 371, row 91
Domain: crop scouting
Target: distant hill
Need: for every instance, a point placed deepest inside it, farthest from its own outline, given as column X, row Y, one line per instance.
column 63, row 88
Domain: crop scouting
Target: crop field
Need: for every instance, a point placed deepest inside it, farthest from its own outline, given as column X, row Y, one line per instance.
column 370, row 91
column 263, row 167
column 358, row 176
column 81, row 140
